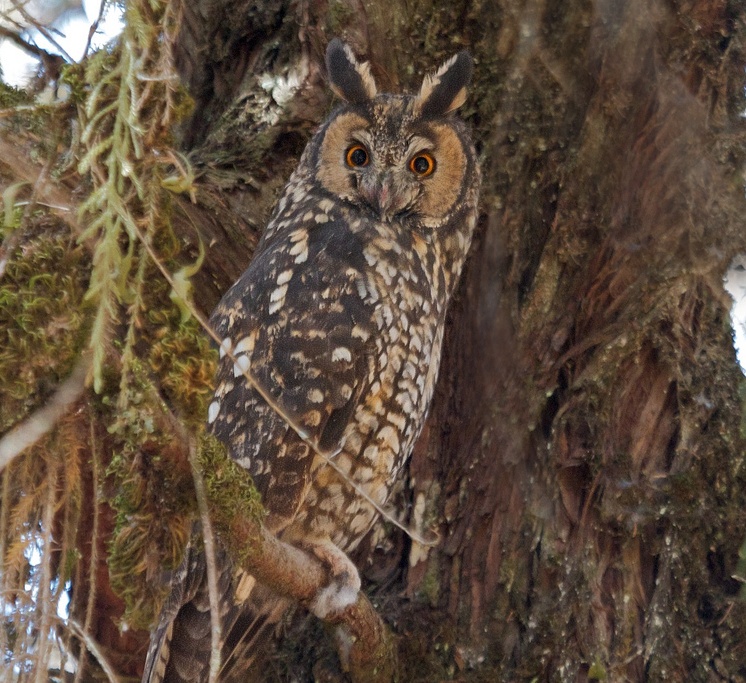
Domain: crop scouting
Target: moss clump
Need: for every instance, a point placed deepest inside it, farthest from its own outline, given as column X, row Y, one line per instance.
column 73, row 76
column 230, row 491
column 167, row 378
column 31, row 125
column 42, row 318
column 180, row 355
column 152, row 494
column 13, row 97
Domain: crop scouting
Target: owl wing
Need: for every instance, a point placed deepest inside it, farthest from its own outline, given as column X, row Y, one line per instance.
column 300, row 321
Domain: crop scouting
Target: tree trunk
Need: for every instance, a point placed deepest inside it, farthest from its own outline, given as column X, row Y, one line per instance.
column 583, row 459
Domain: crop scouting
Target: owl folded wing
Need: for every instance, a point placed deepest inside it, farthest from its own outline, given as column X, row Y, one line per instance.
column 302, row 333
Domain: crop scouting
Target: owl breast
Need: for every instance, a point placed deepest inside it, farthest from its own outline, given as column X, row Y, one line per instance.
column 338, row 321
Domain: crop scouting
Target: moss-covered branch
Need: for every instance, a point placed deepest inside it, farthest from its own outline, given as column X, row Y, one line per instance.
column 364, row 643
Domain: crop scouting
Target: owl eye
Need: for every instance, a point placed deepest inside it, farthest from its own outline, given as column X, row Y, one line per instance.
column 422, row 164
column 357, row 156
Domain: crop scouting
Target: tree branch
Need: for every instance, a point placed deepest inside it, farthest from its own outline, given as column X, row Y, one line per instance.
column 42, row 29
column 51, row 61
column 365, row 646
column 212, row 574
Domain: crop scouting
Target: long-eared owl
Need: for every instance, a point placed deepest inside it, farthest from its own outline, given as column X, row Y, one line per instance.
column 338, row 320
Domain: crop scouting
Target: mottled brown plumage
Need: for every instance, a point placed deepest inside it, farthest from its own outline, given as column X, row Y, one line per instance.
column 339, row 321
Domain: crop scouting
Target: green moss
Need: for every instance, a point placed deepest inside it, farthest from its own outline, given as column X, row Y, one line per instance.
column 153, row 497
column 230, row 491
column 340, row 14
column 34, row 124
column 73, row 76
column 430, row 586
column 597, row 672
column 156, row 505
column 155, row 370
column 180, row 355
column 42, row 317
column 166, row 376
column 13, row 97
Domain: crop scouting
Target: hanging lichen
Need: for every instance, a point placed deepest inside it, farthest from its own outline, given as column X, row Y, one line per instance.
column 98, row 286
column 164, row 363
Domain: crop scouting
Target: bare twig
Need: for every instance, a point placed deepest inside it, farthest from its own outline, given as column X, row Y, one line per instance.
column 94, row 27
column 33, row 49
column 93, row 564
column 212, row 572
column 42, row 29
column 34, row 427
column 44, row 602
column 94, row 649
column 5, row 504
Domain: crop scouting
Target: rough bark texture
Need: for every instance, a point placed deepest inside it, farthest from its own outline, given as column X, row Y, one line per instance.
column 583, row 462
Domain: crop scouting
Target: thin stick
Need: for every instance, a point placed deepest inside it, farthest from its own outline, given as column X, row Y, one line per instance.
column 212, row 573
column 93, row 565
column 35, row 50
column 45, row 603
column 43, row 30
column 94, row 649
column 94, row 27
column 34, row 427
column 4, row 512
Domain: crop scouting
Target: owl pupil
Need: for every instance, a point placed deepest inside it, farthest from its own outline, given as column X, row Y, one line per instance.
column 421, row 165
column 357, row 156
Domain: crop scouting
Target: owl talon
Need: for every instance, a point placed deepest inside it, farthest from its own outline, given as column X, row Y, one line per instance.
column 342, row 590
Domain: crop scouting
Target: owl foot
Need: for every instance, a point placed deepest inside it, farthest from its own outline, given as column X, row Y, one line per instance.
column 342, row 590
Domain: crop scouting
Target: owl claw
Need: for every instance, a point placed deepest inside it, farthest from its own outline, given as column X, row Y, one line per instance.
column 342, row 590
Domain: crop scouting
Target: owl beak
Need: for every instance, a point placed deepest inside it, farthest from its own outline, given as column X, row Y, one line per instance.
column 383, row 197
column 386, row 199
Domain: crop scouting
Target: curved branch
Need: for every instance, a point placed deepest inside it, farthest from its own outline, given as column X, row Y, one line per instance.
column 365, row 645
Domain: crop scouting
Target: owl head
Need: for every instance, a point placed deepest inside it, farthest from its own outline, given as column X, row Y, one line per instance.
column 401, row 157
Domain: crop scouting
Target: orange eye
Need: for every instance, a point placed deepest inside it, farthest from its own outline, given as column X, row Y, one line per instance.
column 357, row 156
column 422, row 164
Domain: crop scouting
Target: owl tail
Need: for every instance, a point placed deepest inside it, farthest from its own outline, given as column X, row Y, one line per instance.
column 247, row 640
column 180, row 646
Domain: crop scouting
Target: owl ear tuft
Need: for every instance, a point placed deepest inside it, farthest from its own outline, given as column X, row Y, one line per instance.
column 445, row 90
column 349, row 79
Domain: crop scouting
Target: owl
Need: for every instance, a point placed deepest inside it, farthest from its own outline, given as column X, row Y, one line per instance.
column 338, row 321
